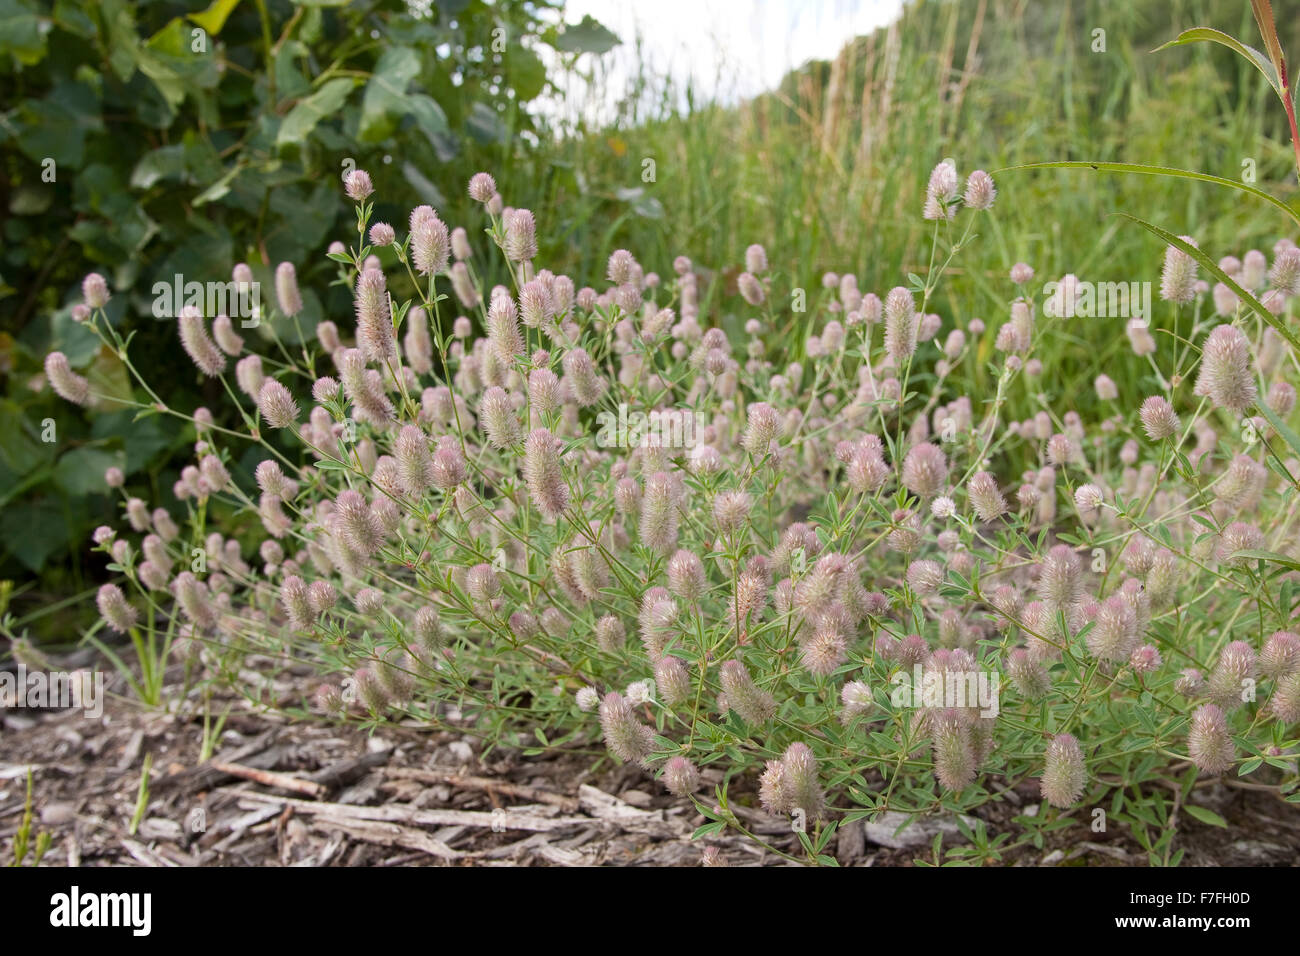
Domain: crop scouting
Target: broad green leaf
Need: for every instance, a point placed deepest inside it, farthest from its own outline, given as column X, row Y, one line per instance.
column 21, row 32
column 1169, row 171
column 485, row 125
column 428, row 115
column 302, row 119
column 525, row 72
column 34, row 532
column 214, row 17
column 385, row 101
column 80, row 472
column 109, row 379
column 166, row 162
column 1207, row 35
column 19, row 451
column 587, row 36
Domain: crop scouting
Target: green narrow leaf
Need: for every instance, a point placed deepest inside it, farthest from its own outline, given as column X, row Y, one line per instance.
column 1168, row 171
column 1259, row 554
column 1208, row 35
column 1212, row 267
column 1206, row 816
column 1279, row 426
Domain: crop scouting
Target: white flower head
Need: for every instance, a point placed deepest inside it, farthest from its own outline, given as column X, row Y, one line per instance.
column 640, row 692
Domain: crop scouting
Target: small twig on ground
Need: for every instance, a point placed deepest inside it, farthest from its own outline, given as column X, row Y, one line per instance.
column 269, row 778
column 464, row 782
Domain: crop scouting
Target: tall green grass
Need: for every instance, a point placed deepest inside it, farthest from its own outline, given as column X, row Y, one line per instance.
column 832, row 166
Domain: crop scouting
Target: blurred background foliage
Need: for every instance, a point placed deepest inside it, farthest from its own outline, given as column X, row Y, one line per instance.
column 152, row 139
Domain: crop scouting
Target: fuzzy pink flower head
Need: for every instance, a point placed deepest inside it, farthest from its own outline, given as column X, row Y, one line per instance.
column 286, row 289
column 1285, row 274
column 114, row 609
column 1064, row 776
column 925, row 470
column 483, row 583
column 625, row 736
column 1209, row 743
column 1231, row 683
column 66, row 383
column 544, row 475
column 1281, row 655
column 1022, row 273
column 94, row 290
column 1238, row 536
column 430, row 241
column 686, row 577
column 681, row 777
column 1159, row 419
column 1178, row 279
column 482, row 187
column 980, row 191
column 803, row 792
column 521, row 236
column 985, row 497
column 954, row 756
column 357, row 185
column 1060, row 449
column 856, row 697
column 673, row 681
column 1145, row 659
column 941, row 192
column 1226, row 376
column 1028, row 675
column 762, row 426
column 924, row 577
column 731, row 510
column 195, row 340
column 901, row 324
column 746, row 698
column 1088, row 498
column 751, row 290
column 278, row 408
column 1060, row 577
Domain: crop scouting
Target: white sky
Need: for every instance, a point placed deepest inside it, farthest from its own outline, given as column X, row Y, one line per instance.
column 729, row 49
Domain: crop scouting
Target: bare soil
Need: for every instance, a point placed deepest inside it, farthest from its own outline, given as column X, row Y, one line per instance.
column 305, row 793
